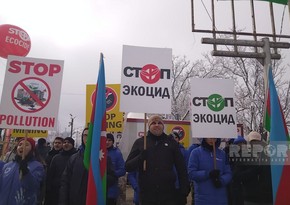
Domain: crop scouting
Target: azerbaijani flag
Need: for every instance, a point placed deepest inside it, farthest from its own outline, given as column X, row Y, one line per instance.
column 95, row 157
column 275, row 124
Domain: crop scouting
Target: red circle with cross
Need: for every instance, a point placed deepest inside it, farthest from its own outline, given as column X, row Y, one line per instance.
column 111, row 98
column 31, row 94
column 180, row 131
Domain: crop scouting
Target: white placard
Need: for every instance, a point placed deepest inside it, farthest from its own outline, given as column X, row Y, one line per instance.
column 31, row 93
column 146, row 80
column 213, row 111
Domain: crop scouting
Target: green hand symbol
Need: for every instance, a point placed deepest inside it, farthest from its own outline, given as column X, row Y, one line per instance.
column 216, row 102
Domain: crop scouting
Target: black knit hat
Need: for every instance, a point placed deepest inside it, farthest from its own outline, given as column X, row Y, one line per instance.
column 71, row 140
column 111, row 137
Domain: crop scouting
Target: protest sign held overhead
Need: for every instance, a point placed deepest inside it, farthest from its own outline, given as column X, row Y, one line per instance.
column 146, row 80
column 31, row 93
column 213, row 112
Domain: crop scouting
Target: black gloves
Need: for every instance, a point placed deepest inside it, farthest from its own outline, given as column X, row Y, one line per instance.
column 23, row 167
column 217, row 182
column 214, row 175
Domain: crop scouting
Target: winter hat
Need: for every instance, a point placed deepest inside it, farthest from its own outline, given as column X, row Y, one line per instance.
column 154, row 118
column 111, row 137
column 254, row 136
column 239, row 140
column 30, row 140
column 71, row 140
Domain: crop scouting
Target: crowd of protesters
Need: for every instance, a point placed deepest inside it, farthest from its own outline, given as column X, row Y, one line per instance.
column 161, row 173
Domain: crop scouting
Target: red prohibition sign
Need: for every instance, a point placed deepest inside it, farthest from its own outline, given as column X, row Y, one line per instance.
column 180, row 131
column 30, row 94
column 150, row 74
column 111, row 98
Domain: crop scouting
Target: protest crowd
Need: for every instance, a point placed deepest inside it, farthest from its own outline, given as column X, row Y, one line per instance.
column 163, row 173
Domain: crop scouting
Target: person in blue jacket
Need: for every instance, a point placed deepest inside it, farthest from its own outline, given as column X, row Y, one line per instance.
column 133, row 180
column 210, row 183
column 119, row 167
column 21, row 178
column 189, row 150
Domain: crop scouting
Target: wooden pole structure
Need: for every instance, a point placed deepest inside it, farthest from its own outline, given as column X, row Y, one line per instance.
column 254, row 23
column 145, row 138
column 273, row 25
column 192, row 16
column 214, row 155
column 213, row 24
column 234, row 24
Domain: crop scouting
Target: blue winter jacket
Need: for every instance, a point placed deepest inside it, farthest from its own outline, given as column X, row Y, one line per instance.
column 133, row 179
column 199, row 165
column 16, row 191
column 119, row 168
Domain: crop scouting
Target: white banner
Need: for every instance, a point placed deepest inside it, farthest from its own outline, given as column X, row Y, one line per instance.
column 213, row 113
column 31, row 93
column 146, row 80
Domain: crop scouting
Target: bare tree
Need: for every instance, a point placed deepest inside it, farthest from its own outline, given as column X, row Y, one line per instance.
column 182, row 71
column 250, row 90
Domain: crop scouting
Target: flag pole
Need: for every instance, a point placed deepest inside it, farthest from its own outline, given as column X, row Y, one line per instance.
column 289, row 8
column 267, row 65
column 23, row 152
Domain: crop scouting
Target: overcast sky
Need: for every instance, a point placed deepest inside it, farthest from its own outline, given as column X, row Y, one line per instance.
column 76, row 31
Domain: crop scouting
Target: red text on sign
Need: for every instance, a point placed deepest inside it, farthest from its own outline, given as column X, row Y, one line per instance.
column 37, row 68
